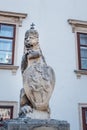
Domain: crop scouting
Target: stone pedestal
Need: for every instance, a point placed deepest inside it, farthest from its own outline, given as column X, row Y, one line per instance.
column 34, row 124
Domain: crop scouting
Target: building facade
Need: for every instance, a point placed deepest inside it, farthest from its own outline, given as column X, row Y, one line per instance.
column 62, row 28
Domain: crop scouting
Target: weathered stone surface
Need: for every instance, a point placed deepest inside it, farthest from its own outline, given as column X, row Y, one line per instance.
column 45, row 128
column 35, row 124
column 38, row 78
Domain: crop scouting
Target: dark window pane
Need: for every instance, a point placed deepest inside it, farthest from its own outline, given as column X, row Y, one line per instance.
column 6, row 31
column 83, row 39
column 86, row 117
column 5, row 45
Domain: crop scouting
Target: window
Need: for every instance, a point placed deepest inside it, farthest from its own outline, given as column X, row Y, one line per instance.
column 84, row 117
column 82, row 50
column 79, row 28
column 9, row 27
column 7, row 43
column 8, row 109
column 6, row 112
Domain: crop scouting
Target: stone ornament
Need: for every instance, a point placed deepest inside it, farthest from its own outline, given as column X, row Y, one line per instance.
column 38, row 79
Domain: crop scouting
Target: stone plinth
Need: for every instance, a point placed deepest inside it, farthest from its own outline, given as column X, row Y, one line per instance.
column 34, row 124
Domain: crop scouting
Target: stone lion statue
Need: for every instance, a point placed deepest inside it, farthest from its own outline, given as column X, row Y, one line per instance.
column 38, row 79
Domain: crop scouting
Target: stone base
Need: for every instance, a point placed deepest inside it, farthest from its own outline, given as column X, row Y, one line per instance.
column 34, row 124
column 36, row 114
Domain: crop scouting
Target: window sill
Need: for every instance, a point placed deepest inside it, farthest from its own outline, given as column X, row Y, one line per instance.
column 9, row 67
column 80, row 72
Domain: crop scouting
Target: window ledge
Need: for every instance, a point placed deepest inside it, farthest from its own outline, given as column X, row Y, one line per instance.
column 80, row 72
column 9, row 67
column 77, row 24
column 12, row 17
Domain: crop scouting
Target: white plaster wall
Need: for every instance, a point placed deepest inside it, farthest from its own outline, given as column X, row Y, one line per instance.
column 58, row 45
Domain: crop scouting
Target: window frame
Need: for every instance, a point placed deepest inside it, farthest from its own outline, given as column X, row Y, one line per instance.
column 78, row 26
column 83, row 118
column 10, row 104
column 78, row 47
column 16, row 19
column 80, row 115
column 8, row 107
column 13, row 42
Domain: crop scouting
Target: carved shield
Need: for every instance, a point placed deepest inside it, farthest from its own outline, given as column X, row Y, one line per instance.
column 39, row 83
